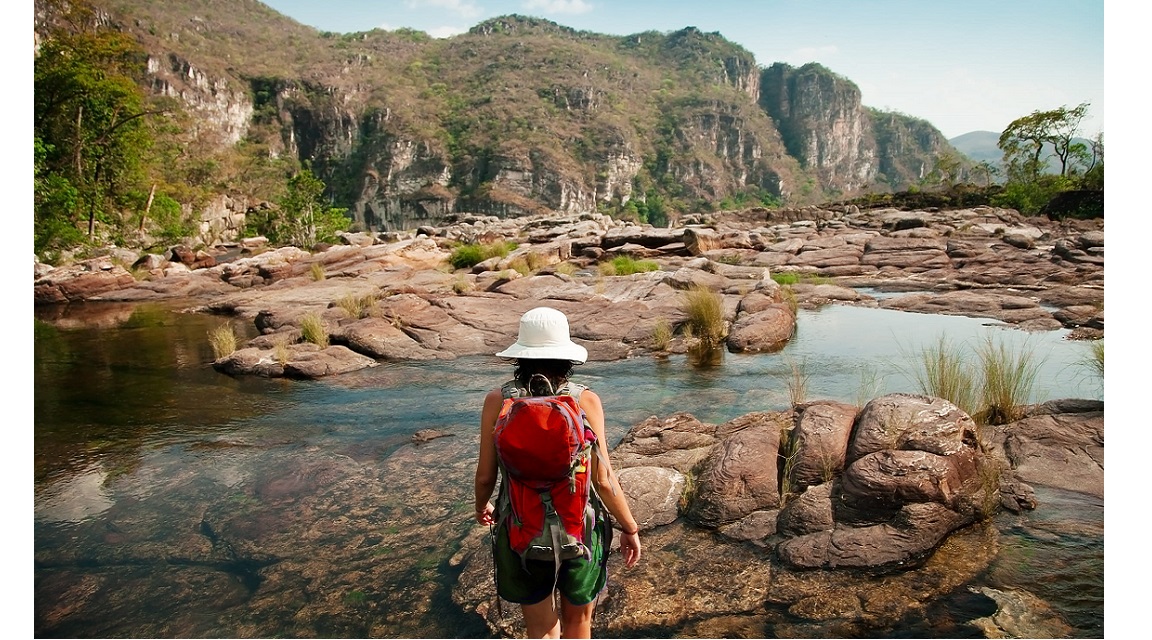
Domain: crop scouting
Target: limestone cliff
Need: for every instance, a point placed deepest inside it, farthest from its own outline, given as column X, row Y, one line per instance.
column 517, row 116
column 849, row 146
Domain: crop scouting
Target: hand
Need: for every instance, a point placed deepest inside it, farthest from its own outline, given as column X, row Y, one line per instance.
column 630, row 548
column 486, row 516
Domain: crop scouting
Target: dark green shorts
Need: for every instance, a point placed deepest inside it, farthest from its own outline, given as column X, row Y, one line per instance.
column 579, row 580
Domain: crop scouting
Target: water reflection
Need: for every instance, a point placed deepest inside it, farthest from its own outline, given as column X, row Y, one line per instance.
column 140, row 444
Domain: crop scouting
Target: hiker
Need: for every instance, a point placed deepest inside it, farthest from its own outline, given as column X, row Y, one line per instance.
column 544, row 356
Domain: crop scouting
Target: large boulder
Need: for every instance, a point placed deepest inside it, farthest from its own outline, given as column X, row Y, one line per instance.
column 904, row 541
column 818, row 444
column 764, row 331
column 739, row 476
column 1062, row 449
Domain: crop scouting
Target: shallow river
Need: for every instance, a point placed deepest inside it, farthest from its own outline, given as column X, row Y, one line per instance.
column 126, row 399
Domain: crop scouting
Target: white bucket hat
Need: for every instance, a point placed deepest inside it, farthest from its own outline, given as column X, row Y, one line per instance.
column 544, row 336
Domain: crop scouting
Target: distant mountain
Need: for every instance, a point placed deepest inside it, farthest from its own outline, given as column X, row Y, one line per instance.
column 980, row 146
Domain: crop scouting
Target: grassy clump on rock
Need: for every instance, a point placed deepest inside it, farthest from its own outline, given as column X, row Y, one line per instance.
column 469, row 255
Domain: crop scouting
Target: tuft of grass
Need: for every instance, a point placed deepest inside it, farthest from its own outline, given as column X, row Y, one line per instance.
column 317, row 272
column 461, row 285
column 789, row 296
column 798, row 383
column 791, row 277
column 223, row 340
column 661, row 334
column 988, row 471
column 705, row 311
column 313, row 329
column 626, row 266
column 786, row 278
column 1095, row 359
column 357, row 306
column 535, row 261
column 520, row 265
column 467, row 256
column 280, row 351
column 871, row 382
column 566, row 268
column 996, row 393
column 943, row 373
column 689, row 492
column 788, row 452
column 1009, row 379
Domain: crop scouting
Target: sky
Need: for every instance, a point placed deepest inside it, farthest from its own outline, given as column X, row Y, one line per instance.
column 963, row 66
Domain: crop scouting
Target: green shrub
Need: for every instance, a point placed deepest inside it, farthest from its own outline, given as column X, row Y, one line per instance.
column 786, row 277
column 467, row 256
column 627, row 265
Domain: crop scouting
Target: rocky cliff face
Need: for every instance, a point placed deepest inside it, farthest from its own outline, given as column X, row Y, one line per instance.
column 522, row 116
column 849, row 146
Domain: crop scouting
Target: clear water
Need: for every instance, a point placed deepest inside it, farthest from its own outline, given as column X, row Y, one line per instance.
column 137, row 398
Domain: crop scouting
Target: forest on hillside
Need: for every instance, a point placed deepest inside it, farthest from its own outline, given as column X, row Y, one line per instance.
column 151, row 115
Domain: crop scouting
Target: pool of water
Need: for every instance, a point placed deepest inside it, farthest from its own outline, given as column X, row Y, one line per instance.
column 117, row 404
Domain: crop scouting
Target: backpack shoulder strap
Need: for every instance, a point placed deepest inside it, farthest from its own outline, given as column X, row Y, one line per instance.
column 512, row 389
column 573, row 389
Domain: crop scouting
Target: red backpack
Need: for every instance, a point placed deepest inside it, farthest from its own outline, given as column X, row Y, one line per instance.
column 544, row 446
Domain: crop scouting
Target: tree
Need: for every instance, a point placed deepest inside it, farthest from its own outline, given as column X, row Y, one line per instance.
column 90, row 127
column 1029, row 188
column 987, row 170
column 1026, row 140
column 1093, row 177
column 304, row 217
column 947, row 170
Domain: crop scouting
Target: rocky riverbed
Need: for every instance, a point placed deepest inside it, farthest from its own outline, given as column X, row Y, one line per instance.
column 826, row 519
column 394, row 297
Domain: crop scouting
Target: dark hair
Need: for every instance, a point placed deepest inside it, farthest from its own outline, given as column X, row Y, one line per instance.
column 556, row 371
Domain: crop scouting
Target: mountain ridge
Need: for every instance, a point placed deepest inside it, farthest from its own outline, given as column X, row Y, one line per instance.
column 519, row 115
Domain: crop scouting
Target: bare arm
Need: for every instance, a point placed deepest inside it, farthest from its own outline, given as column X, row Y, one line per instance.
column 486, row 462
column 607, row 484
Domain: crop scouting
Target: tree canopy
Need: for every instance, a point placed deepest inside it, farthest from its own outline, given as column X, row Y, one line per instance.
column 90, row 128
column 305, row 216
column 1027, row 140
column 1031, row 142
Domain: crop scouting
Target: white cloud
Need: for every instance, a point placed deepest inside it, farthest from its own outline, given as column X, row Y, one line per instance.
column 446, row 32
column 557, row 6
column 463, row 8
